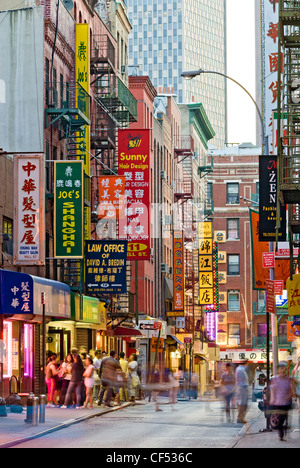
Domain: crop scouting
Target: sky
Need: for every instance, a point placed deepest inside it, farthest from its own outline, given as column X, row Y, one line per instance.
column 241, row 67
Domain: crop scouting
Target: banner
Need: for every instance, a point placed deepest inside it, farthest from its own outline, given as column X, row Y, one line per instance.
column 268, row 201
column 134, row 164
column 68, row 209
column 260, row 274
column 293, row 289
column 29, row 219
column 178, row 249
column 105, row 267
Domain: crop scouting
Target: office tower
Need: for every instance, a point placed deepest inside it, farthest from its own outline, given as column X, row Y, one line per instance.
column 169, row 37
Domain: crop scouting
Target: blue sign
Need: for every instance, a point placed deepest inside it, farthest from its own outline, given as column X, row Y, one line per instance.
column 105, row 267
column 16, row 293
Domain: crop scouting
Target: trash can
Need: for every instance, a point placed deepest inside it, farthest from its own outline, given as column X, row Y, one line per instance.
column 32, row 410
column 42, row 407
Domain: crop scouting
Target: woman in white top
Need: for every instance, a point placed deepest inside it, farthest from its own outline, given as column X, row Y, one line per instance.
column 89, row 382
column 133, row 378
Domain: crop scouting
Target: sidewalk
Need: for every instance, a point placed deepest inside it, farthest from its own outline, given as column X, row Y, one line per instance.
column 251, row 437
column 14, row 430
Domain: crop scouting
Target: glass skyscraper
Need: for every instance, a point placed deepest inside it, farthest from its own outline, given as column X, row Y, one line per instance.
column 172, row 36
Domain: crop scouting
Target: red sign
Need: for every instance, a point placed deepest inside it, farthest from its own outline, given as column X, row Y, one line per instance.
column 270, row 288
column 178, row 271
column 278, row 288
column 134, row 164
column 157, row 325
column 268, row 260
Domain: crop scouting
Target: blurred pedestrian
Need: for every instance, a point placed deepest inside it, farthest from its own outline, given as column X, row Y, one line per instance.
column 157, row 385
column 194, row 385
column 124, row 367
column 242, row 384
column 228, row 389
column 51, row 373
column 174, row 387
column 296, row 375
column 97, row 363
column 66, row 372
column 89, row 382
column 133, row 378
column 282, row 391
column 108, row 375
column 76, row 383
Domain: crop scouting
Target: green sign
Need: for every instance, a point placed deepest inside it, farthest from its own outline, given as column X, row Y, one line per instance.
column 68, row 209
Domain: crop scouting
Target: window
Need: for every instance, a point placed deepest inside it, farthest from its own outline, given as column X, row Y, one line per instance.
column 8, row 229
column 234, row 334
column 233, row 265
column 234, row 301
column 233, row 228
column 233, row 193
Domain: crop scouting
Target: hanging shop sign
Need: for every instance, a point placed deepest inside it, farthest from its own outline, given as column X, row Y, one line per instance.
column 208, row 267
column 178, row 249
column 268, row 201
column 29, row 213
column 105, row 267
column 134, row 164
column 16, row 293
column 293, row 290
column 68, row 209
column 111, row 197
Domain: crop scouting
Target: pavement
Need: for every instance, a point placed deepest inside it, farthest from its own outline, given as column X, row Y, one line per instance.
column 14, row 430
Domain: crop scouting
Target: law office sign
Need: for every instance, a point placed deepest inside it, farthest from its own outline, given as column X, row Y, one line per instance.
column 105, row 267
column 68, row 209
column 29, row 213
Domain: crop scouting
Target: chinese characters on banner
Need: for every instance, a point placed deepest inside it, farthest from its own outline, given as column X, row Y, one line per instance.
column 29, row 222
column 134, row 164
column 68, row 209
column 178, row 273
column 270, row 64
column 208, row 267
column 16, row 293
column 111, row 197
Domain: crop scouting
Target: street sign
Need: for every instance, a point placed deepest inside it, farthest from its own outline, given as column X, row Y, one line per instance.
column 145, row 326
column 270, row 296
column 268, row 260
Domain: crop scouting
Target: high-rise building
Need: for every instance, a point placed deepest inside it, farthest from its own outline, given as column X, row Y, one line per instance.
column 169, row 37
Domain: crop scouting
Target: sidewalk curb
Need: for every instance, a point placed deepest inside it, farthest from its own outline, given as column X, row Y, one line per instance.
column 64, row 425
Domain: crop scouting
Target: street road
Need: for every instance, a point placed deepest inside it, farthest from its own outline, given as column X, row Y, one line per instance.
column 193, row 424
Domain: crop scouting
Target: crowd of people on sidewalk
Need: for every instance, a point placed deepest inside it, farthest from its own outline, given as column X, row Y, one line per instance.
column 82, row 379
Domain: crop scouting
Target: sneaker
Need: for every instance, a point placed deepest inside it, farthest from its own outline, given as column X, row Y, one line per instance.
column 64, row 407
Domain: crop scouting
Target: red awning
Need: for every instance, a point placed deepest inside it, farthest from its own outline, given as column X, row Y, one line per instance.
column 122, row 331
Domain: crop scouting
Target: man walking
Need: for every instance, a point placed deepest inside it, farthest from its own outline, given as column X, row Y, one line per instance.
column 242, row 383
column 108, row 374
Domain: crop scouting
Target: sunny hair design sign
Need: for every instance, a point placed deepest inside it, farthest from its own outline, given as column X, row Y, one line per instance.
column 134, row 164
column 29, row 219
column 68, row 209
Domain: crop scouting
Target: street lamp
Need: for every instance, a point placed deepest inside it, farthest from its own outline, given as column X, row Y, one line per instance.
column 189, row 75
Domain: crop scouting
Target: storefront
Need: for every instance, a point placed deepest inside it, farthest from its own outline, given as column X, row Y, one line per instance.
column 21, row 317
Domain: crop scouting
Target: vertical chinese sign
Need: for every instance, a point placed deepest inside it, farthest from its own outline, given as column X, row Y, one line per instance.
column 29, row 219
column 82, row 78
column 111, row 197
column 178, row 249
column 270, row 64
column 206, row 276
column 68, row 209
column 134, row 164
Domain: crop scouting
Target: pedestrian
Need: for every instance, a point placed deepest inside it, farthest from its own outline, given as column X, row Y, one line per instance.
column 242, row 384
column 282, row 391
column 296, row 375
column 97, row 363
column 157, row 385
column 76, row 382
column 133, row 378
column 66, row 373
column 50, row 378
column 124, row 367
column 108, row 375
column 228, row 389
column 89, row 382
column 174, row 387
column 194, row 385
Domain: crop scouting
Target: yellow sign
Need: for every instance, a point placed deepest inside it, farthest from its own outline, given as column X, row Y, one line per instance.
column 293, row 289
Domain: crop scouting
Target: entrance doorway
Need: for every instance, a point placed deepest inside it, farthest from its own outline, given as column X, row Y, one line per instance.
column 58, row 342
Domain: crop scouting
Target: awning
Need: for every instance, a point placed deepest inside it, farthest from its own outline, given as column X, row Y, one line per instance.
column 177, row 340
column 127, row 332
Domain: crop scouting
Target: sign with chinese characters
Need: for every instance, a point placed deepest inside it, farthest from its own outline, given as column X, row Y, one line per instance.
column 29, row 220
column 293, row 289
column 105, row 268
column 270, row 68
column 270, row 302
column 178, row 249
column 68, row 209
column 134, row 164
column 16, row 293
column 111, row 197
column 268, row 201
column 208, row 267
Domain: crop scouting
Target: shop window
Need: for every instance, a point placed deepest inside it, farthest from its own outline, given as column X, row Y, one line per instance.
column 234, row 334
column 7, row 349
column 234, row 304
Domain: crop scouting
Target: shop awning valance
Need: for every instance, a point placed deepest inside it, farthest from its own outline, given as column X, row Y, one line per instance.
column 127, row 332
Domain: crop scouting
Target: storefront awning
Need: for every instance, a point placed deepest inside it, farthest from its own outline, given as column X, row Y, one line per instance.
column 177, row 340
column 127, row 332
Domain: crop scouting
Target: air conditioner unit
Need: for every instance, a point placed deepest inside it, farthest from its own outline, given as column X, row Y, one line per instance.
column 165, row 268
column 163, row 175
column 123, row 69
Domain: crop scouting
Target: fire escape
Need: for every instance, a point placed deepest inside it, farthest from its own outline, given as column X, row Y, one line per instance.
column 289, row 119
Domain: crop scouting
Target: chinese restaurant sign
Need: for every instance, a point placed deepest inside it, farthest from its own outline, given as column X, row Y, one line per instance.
column 105, row 269
column 134, row 164
column 16, row 293
column 29, row 221
column 68, row 209
column 268, row 201
column 111, row 197
column 208, row 267
column 178, row 249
